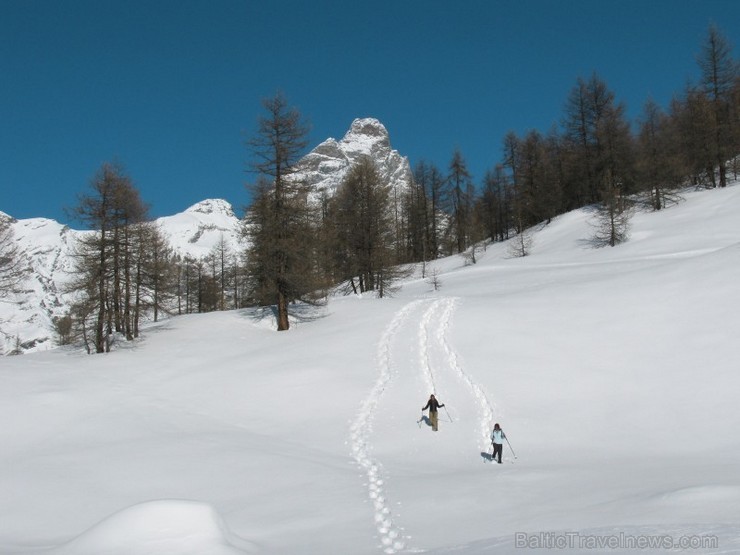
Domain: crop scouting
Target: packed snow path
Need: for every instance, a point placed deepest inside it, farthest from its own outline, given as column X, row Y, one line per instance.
column 436, row 323
column 361, row 429
column 415, row 357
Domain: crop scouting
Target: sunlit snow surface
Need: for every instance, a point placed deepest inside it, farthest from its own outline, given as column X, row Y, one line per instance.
column 614, row 373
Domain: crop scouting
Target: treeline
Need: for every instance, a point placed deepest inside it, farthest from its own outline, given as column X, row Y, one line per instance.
column 122, row 270
column 126, row 270
column 299, row 245
column 595, row 157
column 363, row 234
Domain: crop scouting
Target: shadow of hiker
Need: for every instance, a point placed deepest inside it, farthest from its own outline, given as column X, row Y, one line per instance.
column 426, row 420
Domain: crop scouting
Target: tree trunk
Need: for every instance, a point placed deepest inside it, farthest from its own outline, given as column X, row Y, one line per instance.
column 282, row 316
column 100, row 324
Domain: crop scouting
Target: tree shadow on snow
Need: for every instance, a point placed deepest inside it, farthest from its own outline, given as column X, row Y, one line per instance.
column 306, row 312
column 297, row 314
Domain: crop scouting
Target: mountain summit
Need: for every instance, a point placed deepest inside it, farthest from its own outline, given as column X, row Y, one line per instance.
column 326, row 166
column 201, row 227
column 213, row 207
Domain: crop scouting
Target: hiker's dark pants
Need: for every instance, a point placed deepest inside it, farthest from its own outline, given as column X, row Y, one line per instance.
column 498, row 448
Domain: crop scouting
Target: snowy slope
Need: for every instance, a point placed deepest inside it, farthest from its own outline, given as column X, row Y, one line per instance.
column 613, row 372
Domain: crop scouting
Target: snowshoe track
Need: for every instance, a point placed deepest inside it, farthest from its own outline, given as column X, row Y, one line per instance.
column 433, row 331
column 435, row 358
column 425, row 362
column 485, row 407
column 391, row 537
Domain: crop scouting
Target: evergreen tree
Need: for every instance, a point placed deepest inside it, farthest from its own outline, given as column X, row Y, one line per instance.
column 719, row 77
column 657, row 156
column 220, row 259
column 735, row 118
column 460, row 194
column 364, row 232
column 433, row 182
column 493, row 206
column 105, row 258
column 279, row 223
column 156, row 272
column 691, row 118
column 11, row 263
column 599, row 142
column 614, row 215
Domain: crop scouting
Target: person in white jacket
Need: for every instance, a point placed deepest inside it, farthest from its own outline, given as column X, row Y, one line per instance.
column 497, row 438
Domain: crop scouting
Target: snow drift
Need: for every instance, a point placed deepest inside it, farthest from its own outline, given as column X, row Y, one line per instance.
column 165, row 527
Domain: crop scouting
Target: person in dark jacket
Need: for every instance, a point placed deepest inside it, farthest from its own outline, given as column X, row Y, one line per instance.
column 433, row 405
column 497, row 438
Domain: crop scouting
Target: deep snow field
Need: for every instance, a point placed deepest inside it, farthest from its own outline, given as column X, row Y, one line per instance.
column 615, row 373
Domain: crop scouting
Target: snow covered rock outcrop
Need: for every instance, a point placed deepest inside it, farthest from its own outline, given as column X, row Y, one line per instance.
column 326, row 166
column 46, row 248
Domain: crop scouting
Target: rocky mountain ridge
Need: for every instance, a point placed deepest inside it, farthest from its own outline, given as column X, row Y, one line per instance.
column 326, row 166
column 47, row 247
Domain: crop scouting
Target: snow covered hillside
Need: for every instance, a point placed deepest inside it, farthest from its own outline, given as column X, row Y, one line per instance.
column 614, row 373
column 48, row 247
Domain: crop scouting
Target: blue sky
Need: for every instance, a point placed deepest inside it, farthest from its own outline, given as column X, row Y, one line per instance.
column 171, row 89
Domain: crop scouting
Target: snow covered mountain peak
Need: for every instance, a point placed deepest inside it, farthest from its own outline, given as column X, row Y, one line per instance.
column 367, row 126
column 327, row 165
column 367, row 132
column 201, row 227
column 213, row 207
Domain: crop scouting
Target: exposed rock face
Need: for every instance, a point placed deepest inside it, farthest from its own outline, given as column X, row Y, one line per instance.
column 326, row 166
column 47, row 246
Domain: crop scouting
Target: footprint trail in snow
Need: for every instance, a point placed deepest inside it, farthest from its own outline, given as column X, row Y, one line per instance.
column 391, row 537
column 485, row 407
column 433, row 359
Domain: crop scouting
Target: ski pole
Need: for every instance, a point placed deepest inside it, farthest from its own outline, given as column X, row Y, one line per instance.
column 512, row 450
column 448, row 414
